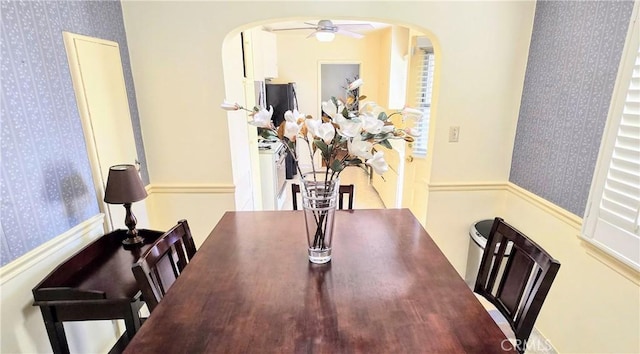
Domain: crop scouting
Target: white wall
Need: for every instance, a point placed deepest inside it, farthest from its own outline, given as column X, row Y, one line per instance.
column 453, row 209
column 202, row 206
column 481, row 50
column 299, row 61
column 594, row 303
column 175, row 49
column 175, row 53
column 179, row 90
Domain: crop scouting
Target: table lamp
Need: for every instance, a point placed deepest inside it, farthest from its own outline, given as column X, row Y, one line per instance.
column 124, row 186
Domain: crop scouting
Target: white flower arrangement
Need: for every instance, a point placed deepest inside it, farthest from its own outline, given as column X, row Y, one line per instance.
column 345, row 135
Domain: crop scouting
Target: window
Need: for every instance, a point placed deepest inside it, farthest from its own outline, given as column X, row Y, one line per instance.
column 423, row 101
column 611, row 220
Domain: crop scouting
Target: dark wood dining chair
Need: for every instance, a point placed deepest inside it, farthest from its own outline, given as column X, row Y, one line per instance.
column 519, row 287
column 345, row 189
column 157, row 269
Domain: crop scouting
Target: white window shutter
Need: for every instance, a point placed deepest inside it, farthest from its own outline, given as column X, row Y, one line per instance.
column 425, row 88
column 612, row 217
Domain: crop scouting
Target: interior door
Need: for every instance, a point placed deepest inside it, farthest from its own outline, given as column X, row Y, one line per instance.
column 415, row 189
column 98, row 81
column 417, row 169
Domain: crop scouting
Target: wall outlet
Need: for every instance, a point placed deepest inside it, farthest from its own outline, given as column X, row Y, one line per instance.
column 454, row 134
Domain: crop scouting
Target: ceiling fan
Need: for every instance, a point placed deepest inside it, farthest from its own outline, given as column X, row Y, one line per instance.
column 325, row 30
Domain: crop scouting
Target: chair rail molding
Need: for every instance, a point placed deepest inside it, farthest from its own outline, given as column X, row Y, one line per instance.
column 560, row 213
column 191, row 188
column 467, row 186
column 91, row 228
column 549, row 207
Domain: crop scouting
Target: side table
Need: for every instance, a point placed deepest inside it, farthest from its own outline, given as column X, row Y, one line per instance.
column 96, row 283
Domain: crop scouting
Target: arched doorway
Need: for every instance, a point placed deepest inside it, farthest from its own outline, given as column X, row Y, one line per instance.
column 298, row 59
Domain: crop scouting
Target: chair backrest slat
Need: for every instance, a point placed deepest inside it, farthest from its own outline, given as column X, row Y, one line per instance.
column 514, row 280
column 345, row 189
column 523, row 282
column 497, row 261
column 158, row 268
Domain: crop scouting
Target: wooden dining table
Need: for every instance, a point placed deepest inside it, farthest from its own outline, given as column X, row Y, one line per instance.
column 251, row 289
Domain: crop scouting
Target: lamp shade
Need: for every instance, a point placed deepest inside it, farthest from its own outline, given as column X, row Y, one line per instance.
column 124, row 185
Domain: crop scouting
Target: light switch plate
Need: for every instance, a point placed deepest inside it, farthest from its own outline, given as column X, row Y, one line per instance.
column 454, row 134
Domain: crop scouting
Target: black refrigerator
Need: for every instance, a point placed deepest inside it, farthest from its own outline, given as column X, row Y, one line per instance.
column 282, row 97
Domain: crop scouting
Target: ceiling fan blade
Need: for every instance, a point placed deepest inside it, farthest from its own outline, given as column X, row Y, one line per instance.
column 350, row 34
column 312, row 34
column 355, row 26
column 291, row 29
column 311, row 24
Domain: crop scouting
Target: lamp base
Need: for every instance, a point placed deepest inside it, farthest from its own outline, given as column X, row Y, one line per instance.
column 133, row 240
column 132, row 235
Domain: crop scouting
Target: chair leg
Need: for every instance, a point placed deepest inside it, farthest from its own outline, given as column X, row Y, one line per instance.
column 295, row 189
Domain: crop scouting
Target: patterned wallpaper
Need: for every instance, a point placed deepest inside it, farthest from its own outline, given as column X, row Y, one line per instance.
column 46, row 184
column 574, row 55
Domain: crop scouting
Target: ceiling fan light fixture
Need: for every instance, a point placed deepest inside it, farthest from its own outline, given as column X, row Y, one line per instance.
column 324, row 36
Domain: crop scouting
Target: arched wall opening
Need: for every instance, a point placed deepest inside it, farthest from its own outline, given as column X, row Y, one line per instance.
column 365, row 51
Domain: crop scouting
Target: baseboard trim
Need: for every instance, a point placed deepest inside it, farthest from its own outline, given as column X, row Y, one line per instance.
column 49, row 248
column 191, row 189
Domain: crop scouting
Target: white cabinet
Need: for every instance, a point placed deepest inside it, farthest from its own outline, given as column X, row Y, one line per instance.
column 273, row 176
column 389, row 186
column 260, row 54
column 386, row 187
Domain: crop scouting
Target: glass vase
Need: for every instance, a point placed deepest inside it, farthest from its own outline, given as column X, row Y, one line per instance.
column 319, row 202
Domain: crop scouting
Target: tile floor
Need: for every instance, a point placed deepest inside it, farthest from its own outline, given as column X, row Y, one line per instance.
column 536, row 344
